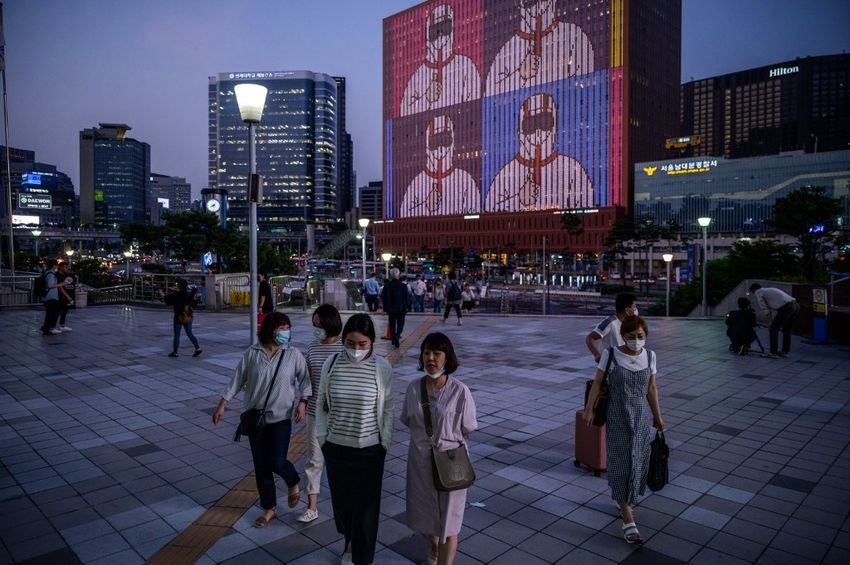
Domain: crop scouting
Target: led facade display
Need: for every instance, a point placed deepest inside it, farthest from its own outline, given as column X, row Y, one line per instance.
column 512, row 108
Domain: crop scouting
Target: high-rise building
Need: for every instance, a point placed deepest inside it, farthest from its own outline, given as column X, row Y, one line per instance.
column 296, row 150
column 38, row 189
column 370, row 200
column 345, row 162
column 499, row 117
column 115, row 175
column 174, row 193
column 19, row 161
column 802, row 104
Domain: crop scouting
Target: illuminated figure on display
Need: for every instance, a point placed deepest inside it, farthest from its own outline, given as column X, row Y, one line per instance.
column 445, row 77
column 543, row 50
column 441, row 188
column 539, row 177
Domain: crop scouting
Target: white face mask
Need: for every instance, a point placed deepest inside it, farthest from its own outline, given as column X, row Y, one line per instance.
column 356, row 355
column 635, row 312
column 635, row 344
column 436, row 374
column 320, row 333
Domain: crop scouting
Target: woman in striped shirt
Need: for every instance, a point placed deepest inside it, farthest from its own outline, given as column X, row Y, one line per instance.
column 327, row 325
column 354, row 422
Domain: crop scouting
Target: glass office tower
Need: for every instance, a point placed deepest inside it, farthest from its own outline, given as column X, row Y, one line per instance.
column 296, row 150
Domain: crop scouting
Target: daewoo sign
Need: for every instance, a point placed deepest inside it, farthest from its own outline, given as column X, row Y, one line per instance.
column 780, row 71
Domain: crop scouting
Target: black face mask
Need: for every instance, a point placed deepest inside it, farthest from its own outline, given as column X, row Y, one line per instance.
column 438, row 140
column 538, row 122
column 440, row 29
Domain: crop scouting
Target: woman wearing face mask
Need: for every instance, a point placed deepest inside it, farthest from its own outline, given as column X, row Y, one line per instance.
column 327, row 326
column 271, row 360
column 632, row 397
column 435, row 514
column 354, row 422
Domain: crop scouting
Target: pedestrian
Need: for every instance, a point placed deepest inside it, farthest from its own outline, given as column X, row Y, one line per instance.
column 184, row 302
column 632, row 406
column 66, row 295
column 371, row 287
column 781, row 310
column 51, row 298
column 741, row 327
column 467, row 297
column 265, row 305
column 418, row 288
column 454, row 298
column 409, row 285
column 327, row 325
column 354, row 424
column 607, row 332
column 439, row 295
column 271, row 369
column 437, row 515
column 396, row 301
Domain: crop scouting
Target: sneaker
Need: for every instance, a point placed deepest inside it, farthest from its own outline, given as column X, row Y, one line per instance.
column 308, row 516
column 460, row 322
column 197, row 352
column 346, row 558
column 65, row 328
column 771, row 355
column 54, row 332
column 783, row 354
column 173, row 354
column 57, row 330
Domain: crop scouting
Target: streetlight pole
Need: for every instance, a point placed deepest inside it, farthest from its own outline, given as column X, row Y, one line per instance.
column 70, row 254
column 545, row 283
column 251, row 99
column 364, row 223
column 668, row 257
column 704, row 222
column 127, row 255
column 36, row 234
column 386, row 257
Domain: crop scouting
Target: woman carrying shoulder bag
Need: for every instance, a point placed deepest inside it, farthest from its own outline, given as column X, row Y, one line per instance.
column 275, row 379
column 436, row 514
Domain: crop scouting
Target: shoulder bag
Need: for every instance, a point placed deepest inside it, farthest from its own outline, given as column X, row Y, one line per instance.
column 451, row 469
column 600, row 409
column 658, row 458
column 254, row 420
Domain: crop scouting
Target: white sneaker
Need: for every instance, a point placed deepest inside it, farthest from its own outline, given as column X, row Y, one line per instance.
column 308, row 516
column 346, row 558
column 65, row 328
column 56, row 330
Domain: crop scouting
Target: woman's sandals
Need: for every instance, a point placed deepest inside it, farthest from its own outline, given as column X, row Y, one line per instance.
column 631, row 533
column 262, row 521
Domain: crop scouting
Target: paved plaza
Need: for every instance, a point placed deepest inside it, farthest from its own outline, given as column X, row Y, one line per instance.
column 108, row 453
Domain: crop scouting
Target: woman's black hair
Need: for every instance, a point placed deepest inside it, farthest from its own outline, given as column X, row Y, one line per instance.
column 329, row 319
column 361, row 323
column 182, row 284
column 270, row 323
column 438, row 341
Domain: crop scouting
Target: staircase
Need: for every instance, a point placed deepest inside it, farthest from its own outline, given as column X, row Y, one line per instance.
column 336, row 244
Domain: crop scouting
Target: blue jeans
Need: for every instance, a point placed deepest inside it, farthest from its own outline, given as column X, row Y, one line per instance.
column 438, row 306
column 418, row 303
column 189, row 334
column 269, row 447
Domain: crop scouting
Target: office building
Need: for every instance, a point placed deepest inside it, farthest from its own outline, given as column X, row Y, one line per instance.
column 796, row 105
column 737, row 194
column 369, row 200
column 297, row 153
column 345, row 163
column 38, row 189
column 497, row 121
column 173, row 193
column 115, row 175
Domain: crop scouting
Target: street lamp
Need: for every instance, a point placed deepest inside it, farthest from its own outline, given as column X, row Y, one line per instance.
column 251, row 99
column 668, row 257
column 127, row 255
column 386, row 257
column 703, row 223
column 36, row 234
column 364, row 223
column 69, row 253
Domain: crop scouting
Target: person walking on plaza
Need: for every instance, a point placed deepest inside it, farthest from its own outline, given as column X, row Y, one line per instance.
column 781, row 310
column 265, row 303
column 467, row 297
column 632, row 406
column 436, row 514
column 51, row 299
column 439, row 295
column 271, row 369
column 66, row 295
column 607, row 332
column 418, row 288
column 396, row 301
column 327, row 325
column 354, row 425
column 184, row 303
column 454, row 297
column 371, row 288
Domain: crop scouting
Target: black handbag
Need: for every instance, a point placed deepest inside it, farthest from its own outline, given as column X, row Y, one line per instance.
column 600, row 409
column 451, row 469
column 658, row 459
column 253, row 420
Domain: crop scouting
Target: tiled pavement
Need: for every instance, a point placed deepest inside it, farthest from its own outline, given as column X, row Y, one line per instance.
column 107, row 450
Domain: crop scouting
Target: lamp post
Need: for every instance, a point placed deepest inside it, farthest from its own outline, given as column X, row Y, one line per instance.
column 386, row 257
column 127, row 255
column 668, row 258
column 364, row 223
column 251, row 99
column 703, row 223
column 69, row 253
column 36, row 234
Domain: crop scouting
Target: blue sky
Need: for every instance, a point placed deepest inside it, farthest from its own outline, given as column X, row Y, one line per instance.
column 72, row 64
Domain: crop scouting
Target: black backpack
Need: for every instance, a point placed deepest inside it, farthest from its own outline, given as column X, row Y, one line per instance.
column 454, row 292
column 39, row 287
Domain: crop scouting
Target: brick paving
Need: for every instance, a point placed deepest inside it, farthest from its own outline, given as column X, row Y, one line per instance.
column 108, row 453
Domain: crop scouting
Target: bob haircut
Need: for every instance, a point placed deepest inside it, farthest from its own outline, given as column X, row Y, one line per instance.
column 632, row 324
column 360, row 323
column 438, row 341
column 270, row 323
column 329, row 319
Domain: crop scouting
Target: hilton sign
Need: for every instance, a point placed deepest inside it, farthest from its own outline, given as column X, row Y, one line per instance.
column 779, row 71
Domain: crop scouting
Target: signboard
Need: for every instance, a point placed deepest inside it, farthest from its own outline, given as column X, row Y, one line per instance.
column 819, row 309
column 30, row 201
column 208, row 259
column 32, row 178
column 20, row 220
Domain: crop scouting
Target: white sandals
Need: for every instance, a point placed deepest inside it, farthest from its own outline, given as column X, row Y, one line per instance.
column 631, row 533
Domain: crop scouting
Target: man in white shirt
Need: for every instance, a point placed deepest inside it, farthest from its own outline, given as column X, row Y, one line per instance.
column 781, row 310
column 418, row 288
column 607, row 332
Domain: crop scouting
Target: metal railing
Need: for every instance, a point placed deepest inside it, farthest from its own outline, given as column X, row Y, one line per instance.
column 151, row 288
column 234, row 291
column 17, row 290
column 120, row 294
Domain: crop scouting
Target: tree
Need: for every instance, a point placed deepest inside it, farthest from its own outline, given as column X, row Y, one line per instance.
column 808, row 215
column 573, row 224
column 93, row 273
column 763, row 259
column 619, row 242
column 149, row 238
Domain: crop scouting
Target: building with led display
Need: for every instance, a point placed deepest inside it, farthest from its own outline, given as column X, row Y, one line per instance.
column 39, row 190
column 296, row 151
column 501, row 116
column 173, row 193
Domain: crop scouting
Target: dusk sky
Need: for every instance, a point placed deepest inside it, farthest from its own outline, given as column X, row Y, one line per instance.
column 73, row 64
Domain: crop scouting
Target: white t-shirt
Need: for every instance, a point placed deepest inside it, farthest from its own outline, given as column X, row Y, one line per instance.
column 632, row 362
column 609, row 329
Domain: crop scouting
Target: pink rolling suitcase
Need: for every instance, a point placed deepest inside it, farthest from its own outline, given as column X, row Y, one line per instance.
column 590, row 446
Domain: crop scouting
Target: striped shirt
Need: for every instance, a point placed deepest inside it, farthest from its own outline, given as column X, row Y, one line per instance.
column 317, row 353
column 353, row 401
